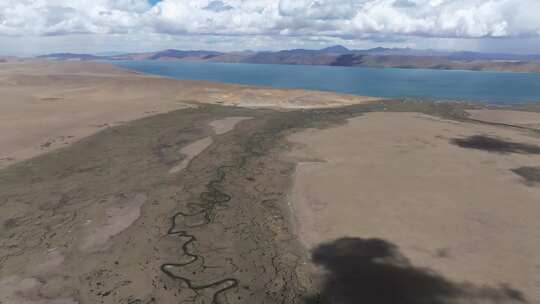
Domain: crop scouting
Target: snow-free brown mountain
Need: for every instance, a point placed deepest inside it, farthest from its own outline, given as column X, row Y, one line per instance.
column 341, row 56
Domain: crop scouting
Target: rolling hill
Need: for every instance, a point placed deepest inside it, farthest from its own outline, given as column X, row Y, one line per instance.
column 341, row 56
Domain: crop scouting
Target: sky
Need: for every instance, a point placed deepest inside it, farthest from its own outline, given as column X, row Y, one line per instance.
column 33, row 27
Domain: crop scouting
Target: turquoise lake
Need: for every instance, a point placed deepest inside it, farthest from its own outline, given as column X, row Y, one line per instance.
column 487, row 87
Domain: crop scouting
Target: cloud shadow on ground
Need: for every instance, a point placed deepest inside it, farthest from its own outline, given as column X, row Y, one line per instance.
column 492, row 144
column 373, row 271
column 530, row 174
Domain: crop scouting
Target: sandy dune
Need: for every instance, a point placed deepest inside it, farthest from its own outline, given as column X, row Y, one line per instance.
column 443, row 191
column 47, row 104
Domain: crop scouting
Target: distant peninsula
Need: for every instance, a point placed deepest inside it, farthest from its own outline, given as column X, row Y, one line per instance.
column 341, row 56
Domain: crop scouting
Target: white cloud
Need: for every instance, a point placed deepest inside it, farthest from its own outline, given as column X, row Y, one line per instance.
column 339, row 18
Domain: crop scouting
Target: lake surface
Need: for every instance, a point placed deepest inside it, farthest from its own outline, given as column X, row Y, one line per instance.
column 488, row 87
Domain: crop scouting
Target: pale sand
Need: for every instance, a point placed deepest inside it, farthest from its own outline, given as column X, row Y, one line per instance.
column 17, row 290
column 48, row 104
column 220, row 126
column 397, row 176
column 190, row 151
column 111, row 222
column 518, row 118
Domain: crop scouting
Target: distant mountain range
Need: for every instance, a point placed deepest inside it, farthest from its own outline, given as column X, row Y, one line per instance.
column 341, row 56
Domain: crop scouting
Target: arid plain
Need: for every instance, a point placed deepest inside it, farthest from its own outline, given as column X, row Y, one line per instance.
column 117, row 187
column 48, row 104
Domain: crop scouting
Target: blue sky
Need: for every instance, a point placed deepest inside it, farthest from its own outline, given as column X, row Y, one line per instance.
column 36, row 27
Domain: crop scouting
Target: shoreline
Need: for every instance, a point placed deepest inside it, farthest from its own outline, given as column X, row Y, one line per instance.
column 324, row 65
column 282, row 71
column 52, row 104
column 241, row 217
